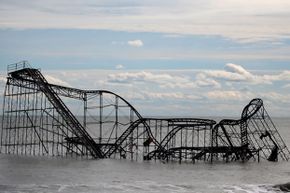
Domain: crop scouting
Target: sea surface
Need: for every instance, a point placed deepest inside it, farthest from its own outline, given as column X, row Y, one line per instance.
column 69, row 175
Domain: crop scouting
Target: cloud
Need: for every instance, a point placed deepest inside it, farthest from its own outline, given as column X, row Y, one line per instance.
column 243, row 21
column 285, row 75
column 203, row 81
column 276, row 97
column 135, row 43
column 162, row 79
column 193, row 92
column 57, row 81
column 229, row 95
column 236, row 73
column 3, row 79
column 119, row 66
column 169, row 96
column 234, row 68
column 241, row 95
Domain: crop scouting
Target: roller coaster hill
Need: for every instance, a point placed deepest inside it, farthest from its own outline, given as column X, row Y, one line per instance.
column 38, row 119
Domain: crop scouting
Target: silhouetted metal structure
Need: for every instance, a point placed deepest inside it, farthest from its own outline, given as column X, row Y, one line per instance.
column 40, row 118
column 255, row 135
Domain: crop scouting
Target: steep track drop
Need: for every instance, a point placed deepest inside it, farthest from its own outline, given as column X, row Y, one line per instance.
column 39, row 120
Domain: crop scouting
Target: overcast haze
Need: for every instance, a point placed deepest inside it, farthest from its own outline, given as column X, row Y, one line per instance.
column 183, row 58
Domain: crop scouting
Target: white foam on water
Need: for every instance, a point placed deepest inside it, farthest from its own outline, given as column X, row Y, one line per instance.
column 250, row 188
column 114, row 187
column 135, row 187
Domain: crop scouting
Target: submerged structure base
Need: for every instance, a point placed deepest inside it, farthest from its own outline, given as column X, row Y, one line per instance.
column 39, row 119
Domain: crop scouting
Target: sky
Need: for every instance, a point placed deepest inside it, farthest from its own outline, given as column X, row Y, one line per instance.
column 168, row 58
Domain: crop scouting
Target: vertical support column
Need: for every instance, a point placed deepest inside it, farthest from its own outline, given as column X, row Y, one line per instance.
column 204, row 142
column 180, row 156
column 10, row 111
column 116, row 126
column 116, row 117
column 156, row 132
column 85, row 99
column 33, row 121
column 22, row 119
column 25, row 121
column 192, row 143
column 41, row 122
column 186, row 143
column 181, row 137
column 53, row 129
column 211, row 143
column 29, row 123
column 3, row 118
column 137, row 142
column 46, row 107
column 85, row 110
column 17, row 116
column 132, row 133
column 101, row 118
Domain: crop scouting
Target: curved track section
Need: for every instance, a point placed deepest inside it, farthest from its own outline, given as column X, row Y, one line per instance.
column 182, row 139
column 45, row 119
column 41, row 119
column 254, row 135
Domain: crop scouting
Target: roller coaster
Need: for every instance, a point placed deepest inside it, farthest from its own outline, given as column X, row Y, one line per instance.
column 39, row 119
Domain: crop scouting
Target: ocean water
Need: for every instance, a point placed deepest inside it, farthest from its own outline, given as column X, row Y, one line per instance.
column 70, row 175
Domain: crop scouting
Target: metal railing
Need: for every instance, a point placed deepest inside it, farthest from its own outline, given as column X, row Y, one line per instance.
column 18, row 66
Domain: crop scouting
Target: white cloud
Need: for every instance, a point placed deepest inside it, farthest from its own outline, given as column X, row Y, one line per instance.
column 286, row 86
column 285, row 75
column 162, row 79
column 203, row 81
column 199, row 92
column 169, row 96
column 119, row 66
column 57, row 81
column 135, row 43
column 229, row 95
column 276, row 97
column 244, row 21
column 234, row 68
column 3, row 79
column 236, row 73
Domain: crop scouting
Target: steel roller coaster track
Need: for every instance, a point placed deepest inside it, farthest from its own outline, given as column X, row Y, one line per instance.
column 39, row 119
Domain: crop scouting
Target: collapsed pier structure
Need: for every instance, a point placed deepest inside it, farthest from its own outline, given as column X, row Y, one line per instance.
column 38, row 119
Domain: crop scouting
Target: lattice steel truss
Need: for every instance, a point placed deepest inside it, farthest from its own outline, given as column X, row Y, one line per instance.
column 39, row 119
column 254, row 134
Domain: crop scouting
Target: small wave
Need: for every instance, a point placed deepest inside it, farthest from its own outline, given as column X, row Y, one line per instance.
column 250, row 188
column 114, row 187
column 136, row 187
column 31, row 188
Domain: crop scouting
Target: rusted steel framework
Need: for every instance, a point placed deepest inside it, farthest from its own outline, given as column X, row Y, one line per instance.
column 40, row 118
